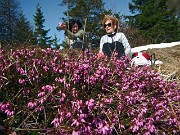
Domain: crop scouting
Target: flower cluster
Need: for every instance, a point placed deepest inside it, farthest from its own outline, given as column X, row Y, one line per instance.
column 76, row 93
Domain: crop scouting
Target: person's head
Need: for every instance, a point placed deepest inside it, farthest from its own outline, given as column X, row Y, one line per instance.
column 74, row 25
column 110, row 24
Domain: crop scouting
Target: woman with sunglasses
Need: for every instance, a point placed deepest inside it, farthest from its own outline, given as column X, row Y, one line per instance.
column 74, row 35
column 113, row 41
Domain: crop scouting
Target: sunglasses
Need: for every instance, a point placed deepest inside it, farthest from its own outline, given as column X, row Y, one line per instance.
column 109, row 25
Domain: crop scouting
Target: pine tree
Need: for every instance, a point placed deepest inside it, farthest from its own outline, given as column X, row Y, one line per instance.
column 55, row 43
column 9, row 10
column 40, row 33
column 174, row 4
column 23, row 30
column 155, row 20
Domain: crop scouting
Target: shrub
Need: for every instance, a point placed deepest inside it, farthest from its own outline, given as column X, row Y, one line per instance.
column 50, row 91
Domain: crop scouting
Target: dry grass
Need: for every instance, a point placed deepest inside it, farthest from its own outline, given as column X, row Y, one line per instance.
column 170, row 57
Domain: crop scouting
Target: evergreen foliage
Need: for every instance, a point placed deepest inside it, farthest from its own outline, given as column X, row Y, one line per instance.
column 174, row 4
column 14, row 27
column 155, row 20
column 55, row 43
column 23, row 30
column 64, row 45
column 40, row 33
column 8, row 15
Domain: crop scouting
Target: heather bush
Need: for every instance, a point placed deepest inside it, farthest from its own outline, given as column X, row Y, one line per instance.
column 55, row 92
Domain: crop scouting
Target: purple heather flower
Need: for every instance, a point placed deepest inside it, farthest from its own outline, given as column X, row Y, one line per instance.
column 74, row 92
column 42, row 100
column 31, row 105
column 151, row 128
column 46, row 68
column 134, row 128
column 21, row 71
column 60, row 70
column 22, row 81
column 117, row 84
column 49, row 88
column 75, row 133
column 55, row 69
column 41, row 94
column 9, row 113
column 58, row 79
column 55, row 58
column 86, row 66
column 147, row 133
column 39, row 109
column 68, row 85
column 62, row 98
column 68, row 114
column 90, row 103
column 104, row 128
column 171, row 121
column 75, row 122
column 108, row 100
column 55, row 122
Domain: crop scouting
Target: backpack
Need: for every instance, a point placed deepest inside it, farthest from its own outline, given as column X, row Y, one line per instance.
column 140, row 58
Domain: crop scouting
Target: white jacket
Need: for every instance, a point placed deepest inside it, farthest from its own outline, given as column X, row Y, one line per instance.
column 116, row 38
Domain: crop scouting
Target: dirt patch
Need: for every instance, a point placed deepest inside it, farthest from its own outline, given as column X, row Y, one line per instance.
column 170, row 57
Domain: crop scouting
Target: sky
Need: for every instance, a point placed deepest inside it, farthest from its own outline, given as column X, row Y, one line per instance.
column 52, row 12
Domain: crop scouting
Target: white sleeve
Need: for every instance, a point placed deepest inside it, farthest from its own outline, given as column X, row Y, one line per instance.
column 127, row 47
column 101, row 45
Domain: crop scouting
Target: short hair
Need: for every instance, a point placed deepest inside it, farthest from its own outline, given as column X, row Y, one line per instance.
column 72, row 22
column 113, row 19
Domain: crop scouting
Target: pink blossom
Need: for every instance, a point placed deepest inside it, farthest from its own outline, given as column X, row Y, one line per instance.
column 9, row 113
column 90, row 103
column 171, row 121
column 108, row 100
column 135, row 128
column 74, row 92
column 104, row 128
column 75, row 133
column 60, row 70
column 21, row 71
column 42, row 100
column 39, row 109
column 68, row 114
column 147, row 133
column 75, row 122
column 31, row 105
column 68, row 85
column 41, row 94
column 46, row 68
column 55, row 58
column 58, row 79
column 49, row 88
column 55, row 122
column 22, row 81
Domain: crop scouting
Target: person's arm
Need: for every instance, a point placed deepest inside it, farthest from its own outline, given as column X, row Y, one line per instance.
column 62, row 26
column 101, row 44
column 127, row 47
column 71, row 35
column 101, row 54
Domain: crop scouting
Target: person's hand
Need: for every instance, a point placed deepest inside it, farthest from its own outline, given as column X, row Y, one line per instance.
column 100, row 55
column 62, row 26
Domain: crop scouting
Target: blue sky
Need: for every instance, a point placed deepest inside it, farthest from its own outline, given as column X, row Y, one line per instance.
column 52, row 12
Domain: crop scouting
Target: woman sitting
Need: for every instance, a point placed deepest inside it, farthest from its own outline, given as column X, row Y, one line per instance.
column 113, row 41
column 74, row 35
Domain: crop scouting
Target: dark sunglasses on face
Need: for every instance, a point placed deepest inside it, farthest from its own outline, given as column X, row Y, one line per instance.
column 109, row 25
